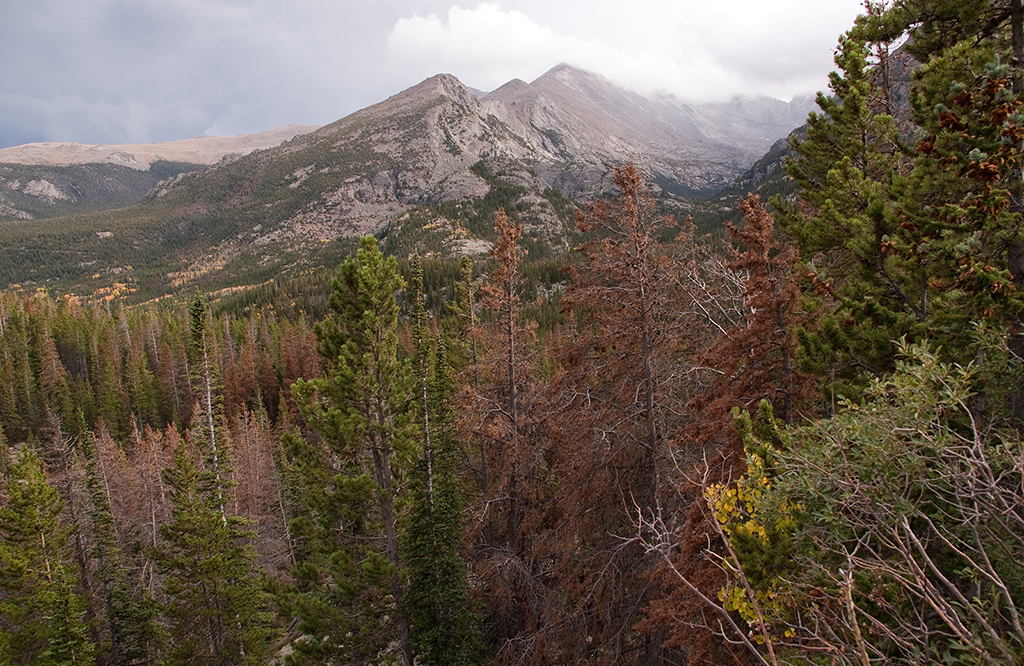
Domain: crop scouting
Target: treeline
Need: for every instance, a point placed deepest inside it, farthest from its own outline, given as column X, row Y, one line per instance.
column 801, row 448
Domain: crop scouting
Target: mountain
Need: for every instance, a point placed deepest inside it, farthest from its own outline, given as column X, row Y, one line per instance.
column 199, row 150
column 49, row 179
column 767, row 177
column 692, row 150
column 425, row 168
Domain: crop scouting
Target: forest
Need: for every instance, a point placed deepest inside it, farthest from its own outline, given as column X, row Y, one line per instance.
column 797, row 445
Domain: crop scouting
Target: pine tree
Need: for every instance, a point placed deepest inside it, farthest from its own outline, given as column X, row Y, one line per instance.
column 363, row 409
column 130, row 614
column 439, row 604
column 914, row 237
column 206, row 380
column 620, row 388
column 755, row 358
column 42, row 619
column 438, row 601
column 216, row 611
column 502, row 297
column 422, row 349
column 847, row 167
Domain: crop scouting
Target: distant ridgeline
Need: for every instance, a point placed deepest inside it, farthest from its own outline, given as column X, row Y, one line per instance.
column 30, row 191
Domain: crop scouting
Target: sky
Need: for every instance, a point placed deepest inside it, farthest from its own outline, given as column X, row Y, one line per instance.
column 141, row 71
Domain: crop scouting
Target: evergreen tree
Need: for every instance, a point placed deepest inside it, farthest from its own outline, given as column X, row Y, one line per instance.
column 438, row 602
column 363, row 409
column 915, row 237
column 216, row 611
column 505, row 411
column 42, row 619
column 130, row 614
column 207, row 417
column 755, row 358
column 502, row 298
column 846, row 170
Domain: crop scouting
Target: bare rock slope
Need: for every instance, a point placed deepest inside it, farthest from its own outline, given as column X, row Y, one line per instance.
column 564, row 131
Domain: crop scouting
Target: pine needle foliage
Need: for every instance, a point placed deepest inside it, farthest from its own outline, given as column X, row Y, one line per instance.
column 363, row 409
column 42, row 618
column 439, row 603
column 216, row 610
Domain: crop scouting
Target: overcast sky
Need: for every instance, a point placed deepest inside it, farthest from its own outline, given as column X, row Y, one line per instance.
column 133, row 71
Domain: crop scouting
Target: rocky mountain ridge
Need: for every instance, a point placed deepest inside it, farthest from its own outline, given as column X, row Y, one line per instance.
column 425, row 168
column 564, row 131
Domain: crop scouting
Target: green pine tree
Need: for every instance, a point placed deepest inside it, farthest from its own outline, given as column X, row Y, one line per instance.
column 207, row 416
column 341, row 595
column 42, row 619
column 364, row 411
column 439, row 605
column 846, row 169
column 438, row 602
column 913, row 231
column 216, row 611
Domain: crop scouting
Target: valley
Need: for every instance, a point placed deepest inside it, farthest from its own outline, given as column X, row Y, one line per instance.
column 552, row 374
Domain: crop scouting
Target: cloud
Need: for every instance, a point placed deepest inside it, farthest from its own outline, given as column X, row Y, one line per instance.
column 117, row 71
column 699, row 51
column 487, row 46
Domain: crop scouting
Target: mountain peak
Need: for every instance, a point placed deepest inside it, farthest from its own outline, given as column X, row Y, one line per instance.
column 508, row 91
column 570, row 75
column 565, row 69
column 443, row 85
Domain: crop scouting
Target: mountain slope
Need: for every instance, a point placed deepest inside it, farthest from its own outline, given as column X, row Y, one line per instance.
column 49, row 179
column 693, row 150
column 198, row 150
column 426, row 168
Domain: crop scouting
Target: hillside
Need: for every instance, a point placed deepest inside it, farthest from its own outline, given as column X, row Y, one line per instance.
column 141, row 156
column 426, row 168
column 39, row 180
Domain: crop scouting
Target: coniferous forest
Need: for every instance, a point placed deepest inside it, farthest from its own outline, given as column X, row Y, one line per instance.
column 798, row 446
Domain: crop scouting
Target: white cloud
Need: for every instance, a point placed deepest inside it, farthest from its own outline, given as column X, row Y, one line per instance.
column 485, row 46
column 703, row 50
column 149, row 70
